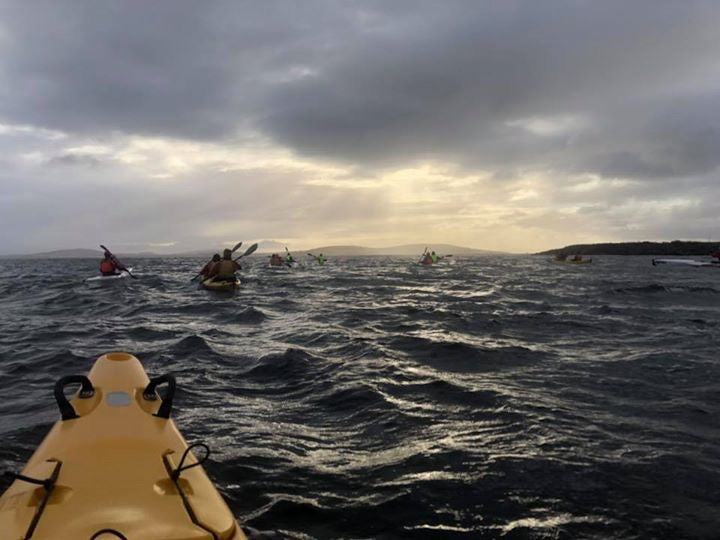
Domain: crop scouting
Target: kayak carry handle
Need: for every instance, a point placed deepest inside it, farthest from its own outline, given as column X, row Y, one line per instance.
column 86, row 391
column 149, row 394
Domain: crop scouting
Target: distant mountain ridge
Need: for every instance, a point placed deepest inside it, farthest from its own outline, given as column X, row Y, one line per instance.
column 405, row 249
column 331, row 251
column 676, row 247
column 78, row 253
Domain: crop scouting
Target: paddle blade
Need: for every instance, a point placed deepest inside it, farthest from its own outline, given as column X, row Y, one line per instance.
column 249, row 251
column 237, row 246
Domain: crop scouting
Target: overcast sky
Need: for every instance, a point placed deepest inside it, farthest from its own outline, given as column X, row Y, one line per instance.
column 506, row 125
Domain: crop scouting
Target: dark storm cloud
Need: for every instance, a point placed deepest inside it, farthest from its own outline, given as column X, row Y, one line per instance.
column 179, row 68
column 670, row 137
column 76, row 159
column 372, row 82
column 444, row 80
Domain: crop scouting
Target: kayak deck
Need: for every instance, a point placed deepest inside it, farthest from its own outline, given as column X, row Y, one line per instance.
column 115, row 468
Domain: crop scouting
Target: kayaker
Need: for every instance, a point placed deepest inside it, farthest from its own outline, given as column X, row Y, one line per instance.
column 320, row 259
column 577, row 258
column 289, row 260
column 108, row 266
column 275, row 260
column 205, row 272
column 435, row 258
column 225, row 269
column 427, row 259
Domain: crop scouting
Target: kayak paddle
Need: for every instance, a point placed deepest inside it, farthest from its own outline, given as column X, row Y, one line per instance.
column 248, row 251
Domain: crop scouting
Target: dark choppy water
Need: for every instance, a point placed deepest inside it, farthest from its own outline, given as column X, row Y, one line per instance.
column 506, row 397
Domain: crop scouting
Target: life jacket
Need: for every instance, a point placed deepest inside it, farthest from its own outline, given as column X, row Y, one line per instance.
column 427, row 259
column 107, row 266
column 226, row 267
column 434, row 258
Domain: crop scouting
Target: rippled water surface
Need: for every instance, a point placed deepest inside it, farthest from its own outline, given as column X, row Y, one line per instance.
column 492, row 397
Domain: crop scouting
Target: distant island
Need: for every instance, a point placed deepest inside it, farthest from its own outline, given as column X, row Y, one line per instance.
column 77, row 253
column 403, row 250
column 676, row 247
column 330, row 251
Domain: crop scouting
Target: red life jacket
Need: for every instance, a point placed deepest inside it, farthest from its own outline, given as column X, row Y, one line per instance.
column 107, row 266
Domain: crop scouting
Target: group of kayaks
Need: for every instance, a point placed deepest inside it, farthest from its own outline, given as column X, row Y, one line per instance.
column 714, row 263
column 115, row 466
column 207, row 281
column 231, row 283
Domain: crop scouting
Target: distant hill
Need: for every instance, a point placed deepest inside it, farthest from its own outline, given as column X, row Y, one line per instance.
column 405, row 250
column 676, row 247
column 266, row 247
column 79, row 253
column 62, row 254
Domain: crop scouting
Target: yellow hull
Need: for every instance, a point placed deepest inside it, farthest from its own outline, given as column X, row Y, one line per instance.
column 211, row 285
column 114, row 467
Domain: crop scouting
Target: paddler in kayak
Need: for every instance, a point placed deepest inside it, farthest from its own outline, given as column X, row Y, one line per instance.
column 225, row 269
column 276, row 260
column 108, row 266
column 289, row 260
column 321, row 259
column 205, row 272
column 427, row 259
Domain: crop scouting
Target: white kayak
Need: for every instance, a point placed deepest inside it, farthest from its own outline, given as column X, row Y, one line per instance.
column 686, row 262
column 102, row 279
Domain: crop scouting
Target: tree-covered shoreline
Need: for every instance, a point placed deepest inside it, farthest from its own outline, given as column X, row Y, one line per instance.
column 676, row 247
